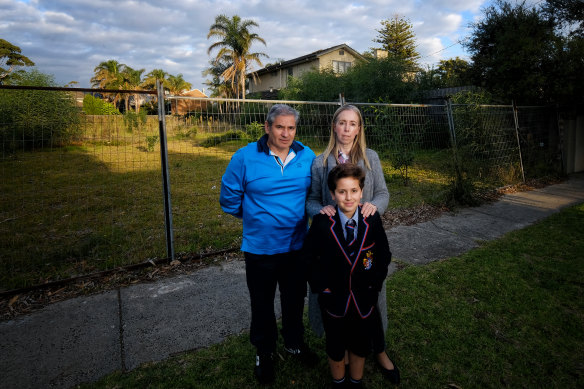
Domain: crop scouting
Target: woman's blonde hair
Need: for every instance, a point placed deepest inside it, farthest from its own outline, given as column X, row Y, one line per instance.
column 358, row 149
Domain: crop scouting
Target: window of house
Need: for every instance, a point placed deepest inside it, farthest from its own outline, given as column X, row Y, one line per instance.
column 290, row 72
column 341, row 52
column 341, row 66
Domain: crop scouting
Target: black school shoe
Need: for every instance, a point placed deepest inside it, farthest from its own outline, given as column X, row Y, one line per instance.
column 264, row 368
column 390, row 375
column 303, row 354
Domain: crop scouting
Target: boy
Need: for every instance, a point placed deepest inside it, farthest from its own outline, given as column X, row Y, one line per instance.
column 348, row 258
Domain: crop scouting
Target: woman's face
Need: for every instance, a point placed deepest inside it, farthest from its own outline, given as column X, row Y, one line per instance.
column 346, row 128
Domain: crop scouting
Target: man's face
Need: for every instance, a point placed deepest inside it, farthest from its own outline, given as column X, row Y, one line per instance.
column 347, row 195
column 281, row 133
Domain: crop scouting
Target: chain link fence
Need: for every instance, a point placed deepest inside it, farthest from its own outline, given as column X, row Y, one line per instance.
column 84, row 193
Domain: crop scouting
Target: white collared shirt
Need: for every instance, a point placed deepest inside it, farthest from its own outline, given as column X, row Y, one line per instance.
column 289, row 158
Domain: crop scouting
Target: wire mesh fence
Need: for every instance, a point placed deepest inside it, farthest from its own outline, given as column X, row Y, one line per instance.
column 83, row 193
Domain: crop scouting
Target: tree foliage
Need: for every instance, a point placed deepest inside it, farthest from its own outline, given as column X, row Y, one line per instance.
column 11, row 58
column 371, row 81
column 96, row 106
column 450, row 73
column 315, row 85
column 36, row 118
column 568, row 14
column 519, row 53
column 176, row 86
column 235, row 41
column 153, row 76
column 219, row 87
column 514, row 51
column 397, row 37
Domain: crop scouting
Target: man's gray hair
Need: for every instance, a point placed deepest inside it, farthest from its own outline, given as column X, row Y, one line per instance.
column 281, row 109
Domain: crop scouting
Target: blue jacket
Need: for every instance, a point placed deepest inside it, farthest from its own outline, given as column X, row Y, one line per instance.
column 269, row 199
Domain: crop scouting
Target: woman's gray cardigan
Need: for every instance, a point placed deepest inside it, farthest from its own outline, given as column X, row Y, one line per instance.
column 374, row 191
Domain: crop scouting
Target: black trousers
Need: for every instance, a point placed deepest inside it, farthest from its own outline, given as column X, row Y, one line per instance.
column 263, row 273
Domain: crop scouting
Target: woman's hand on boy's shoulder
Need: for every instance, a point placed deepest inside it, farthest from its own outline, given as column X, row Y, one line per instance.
column 368, row 209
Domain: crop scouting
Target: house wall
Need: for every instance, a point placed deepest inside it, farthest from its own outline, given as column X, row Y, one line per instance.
column 573, row 147
column 326, row 60
column 275, row 80
column 279, row 79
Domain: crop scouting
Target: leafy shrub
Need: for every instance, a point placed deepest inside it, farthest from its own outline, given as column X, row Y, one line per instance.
column 401, row 161
column 96, row 106
column 226, row 137
column 35, row 118
column 254, row 131
column 135, row 120
column 183, row 131
column 151, row 142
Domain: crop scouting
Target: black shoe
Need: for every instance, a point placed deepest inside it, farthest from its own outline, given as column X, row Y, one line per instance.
column 390, row 375
column 305, row 355
column 356, row 384
column 264, row 368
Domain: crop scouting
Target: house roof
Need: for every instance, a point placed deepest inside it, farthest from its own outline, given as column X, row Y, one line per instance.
column 194, row 93
column 305, row 58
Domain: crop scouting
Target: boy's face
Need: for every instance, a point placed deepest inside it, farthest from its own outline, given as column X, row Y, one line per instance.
column 347, row 195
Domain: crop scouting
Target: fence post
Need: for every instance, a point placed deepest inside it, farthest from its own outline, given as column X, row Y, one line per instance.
column 164, row 168
column 451, row 122
column 516, row 119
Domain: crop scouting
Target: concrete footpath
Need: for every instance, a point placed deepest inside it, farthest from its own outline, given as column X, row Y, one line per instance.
column 85, row 338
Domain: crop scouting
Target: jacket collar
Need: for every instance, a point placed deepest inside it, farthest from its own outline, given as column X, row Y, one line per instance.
column 264, row 148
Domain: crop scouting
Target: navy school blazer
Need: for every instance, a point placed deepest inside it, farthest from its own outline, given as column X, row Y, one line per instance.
column 340, row 280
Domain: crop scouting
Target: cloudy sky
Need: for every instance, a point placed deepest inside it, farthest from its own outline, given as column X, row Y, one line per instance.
column 69, row 38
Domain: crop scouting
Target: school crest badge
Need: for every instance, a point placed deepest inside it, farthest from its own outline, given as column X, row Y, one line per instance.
column 368, row 260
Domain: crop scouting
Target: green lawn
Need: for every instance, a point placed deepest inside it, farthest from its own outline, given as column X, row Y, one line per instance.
column 507, row 314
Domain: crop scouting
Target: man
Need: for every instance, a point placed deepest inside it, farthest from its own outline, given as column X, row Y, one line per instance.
column 266, row 184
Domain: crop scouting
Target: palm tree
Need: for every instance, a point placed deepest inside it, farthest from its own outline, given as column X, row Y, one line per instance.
column 153, row 76
column 221, row 88
column 108, row 75
column 132, row 80
column 177, row 85
column 235, row 42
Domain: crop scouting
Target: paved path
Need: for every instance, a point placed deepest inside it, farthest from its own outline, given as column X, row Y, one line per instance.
column 85, row 338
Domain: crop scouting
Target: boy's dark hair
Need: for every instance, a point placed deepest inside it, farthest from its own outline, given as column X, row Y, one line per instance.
column 344, row 170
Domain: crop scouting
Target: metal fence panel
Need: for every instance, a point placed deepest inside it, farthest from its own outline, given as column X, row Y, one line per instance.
column 83, row 193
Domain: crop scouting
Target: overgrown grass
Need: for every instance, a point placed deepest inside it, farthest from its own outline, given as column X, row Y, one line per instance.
column 508, row 314
column 98, row 204
column 71, row 211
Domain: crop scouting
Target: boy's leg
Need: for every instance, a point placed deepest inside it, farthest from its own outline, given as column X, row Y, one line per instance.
column 356, row 366
column 337, row 369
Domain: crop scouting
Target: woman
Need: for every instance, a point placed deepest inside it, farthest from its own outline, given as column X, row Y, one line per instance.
column 347, row 144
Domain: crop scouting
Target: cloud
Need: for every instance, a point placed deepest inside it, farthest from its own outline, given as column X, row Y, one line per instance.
column 69, row 38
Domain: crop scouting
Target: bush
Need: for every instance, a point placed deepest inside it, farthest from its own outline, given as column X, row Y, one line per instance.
column 135, row 120
column 255, row 131
column 226, row 137
column 33, row 118
column 151, row 141
column 96, row 106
